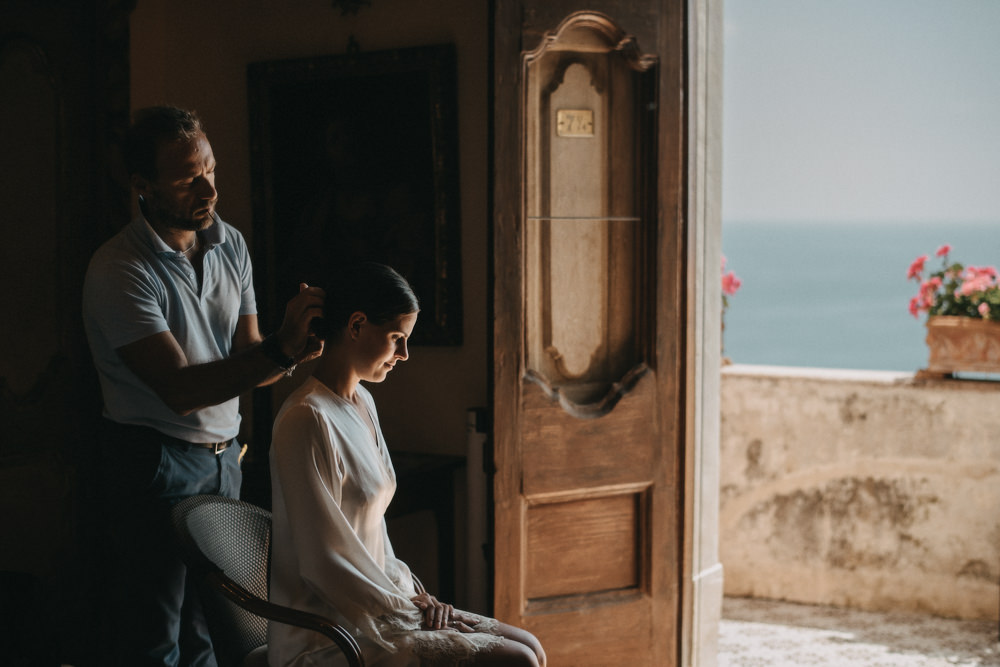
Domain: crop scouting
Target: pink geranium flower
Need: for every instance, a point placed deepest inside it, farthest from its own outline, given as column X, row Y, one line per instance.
column 954, row 290
column 730, row 284
column 977, row 271
column 974, row 282
column 929, row 286
column 916, row 268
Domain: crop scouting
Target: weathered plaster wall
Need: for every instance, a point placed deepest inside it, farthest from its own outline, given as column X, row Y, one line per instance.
column 861, row 489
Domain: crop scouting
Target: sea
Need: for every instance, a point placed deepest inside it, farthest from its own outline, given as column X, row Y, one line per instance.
column 835, row 294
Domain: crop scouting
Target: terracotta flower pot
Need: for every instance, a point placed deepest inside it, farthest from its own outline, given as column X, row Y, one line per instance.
column 962, row 344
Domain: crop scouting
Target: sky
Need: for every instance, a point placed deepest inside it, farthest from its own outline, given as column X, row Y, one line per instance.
column 861, row 110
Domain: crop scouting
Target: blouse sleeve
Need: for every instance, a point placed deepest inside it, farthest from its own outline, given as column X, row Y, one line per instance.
column 333, row 561
column 397, row 570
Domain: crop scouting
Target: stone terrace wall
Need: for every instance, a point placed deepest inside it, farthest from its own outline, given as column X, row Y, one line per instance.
column 862, row 489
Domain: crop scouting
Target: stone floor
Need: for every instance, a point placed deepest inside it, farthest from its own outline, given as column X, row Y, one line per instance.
column 764, row 633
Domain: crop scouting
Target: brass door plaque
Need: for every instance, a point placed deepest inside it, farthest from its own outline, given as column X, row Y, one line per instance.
column 575, row 123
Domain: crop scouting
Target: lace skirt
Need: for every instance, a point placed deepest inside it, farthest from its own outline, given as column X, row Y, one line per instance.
column 416, row 648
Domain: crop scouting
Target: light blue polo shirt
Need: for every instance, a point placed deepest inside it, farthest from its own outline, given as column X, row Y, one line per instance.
column 137, row 286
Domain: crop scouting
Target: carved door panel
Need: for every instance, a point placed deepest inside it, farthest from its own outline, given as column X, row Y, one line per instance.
column 587, row 336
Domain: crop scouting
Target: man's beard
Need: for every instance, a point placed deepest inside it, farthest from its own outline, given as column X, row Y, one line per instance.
column 168, row 217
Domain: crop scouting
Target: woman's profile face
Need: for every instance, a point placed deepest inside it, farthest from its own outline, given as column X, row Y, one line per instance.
column 381, row 346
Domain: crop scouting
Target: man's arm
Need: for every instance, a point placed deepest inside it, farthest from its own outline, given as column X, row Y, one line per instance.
column 159, row 361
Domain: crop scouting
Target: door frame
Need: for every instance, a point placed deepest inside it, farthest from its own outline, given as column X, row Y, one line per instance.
column 702, row 575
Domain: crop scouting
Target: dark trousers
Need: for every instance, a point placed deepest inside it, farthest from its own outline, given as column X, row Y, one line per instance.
column 154, row 614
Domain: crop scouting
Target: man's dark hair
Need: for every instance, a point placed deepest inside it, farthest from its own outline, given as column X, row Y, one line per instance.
column 374, row 289
column 152, row 127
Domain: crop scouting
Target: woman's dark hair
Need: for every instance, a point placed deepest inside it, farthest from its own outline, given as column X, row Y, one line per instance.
column 152, row 127
column 374, row 289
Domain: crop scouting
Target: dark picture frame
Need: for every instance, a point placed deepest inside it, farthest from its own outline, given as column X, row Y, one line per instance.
column 355, row 157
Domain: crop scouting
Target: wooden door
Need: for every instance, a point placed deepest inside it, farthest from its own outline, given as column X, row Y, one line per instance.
column 588, row 334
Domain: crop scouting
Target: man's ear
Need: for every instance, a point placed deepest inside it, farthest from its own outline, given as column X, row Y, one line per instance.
column 140, row 185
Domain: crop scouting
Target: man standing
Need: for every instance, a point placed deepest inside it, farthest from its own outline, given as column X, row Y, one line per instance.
column 170, row 314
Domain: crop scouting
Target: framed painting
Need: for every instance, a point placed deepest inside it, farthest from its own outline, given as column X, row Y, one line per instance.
column 354, row 157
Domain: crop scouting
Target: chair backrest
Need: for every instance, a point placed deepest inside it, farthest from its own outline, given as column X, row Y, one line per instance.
column 223, row 534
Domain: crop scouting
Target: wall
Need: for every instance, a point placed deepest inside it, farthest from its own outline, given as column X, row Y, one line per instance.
column 195, row 54
column 862, row 489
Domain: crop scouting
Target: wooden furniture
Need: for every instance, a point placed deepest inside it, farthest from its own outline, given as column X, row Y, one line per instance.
column 427, row 482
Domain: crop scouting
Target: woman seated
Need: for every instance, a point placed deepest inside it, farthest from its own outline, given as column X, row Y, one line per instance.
column 332, row 481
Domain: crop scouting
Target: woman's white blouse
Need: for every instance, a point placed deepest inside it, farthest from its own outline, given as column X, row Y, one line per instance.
column 331, row 485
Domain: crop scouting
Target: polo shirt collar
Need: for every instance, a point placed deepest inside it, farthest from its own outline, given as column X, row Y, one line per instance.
column 213, row 236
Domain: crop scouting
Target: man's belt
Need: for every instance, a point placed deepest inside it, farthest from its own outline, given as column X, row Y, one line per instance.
column 216, row 447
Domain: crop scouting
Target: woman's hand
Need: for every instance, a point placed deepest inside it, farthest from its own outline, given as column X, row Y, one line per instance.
column 438, row 615
column 463, row 623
